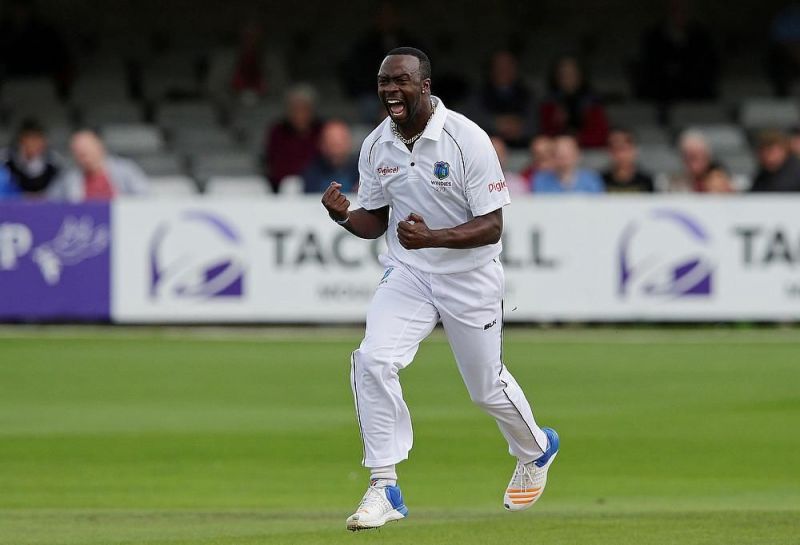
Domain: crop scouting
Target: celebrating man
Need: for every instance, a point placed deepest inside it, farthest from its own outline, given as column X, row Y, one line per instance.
column 430, row 178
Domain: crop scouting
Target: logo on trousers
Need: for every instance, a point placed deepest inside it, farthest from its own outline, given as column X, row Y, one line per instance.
column 198, row 255
column 666, row 256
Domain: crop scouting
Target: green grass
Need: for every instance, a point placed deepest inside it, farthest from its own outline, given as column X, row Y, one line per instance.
column 112, row 436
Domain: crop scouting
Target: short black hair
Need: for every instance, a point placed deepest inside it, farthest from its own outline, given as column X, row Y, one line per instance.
column 30, row 126
column 424, row 61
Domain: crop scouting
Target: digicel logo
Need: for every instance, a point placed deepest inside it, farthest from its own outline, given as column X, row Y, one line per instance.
column 385, row 171
column 497, row 186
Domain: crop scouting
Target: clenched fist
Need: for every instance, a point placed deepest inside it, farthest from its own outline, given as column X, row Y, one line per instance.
column 335, row 202
column 414, row 234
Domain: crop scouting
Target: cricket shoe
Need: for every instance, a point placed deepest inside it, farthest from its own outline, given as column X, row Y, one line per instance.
column 529, row 480
column 382, row 503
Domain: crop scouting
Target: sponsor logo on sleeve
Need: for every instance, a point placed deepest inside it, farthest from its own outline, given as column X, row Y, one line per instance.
column 496, row 187
column 387, row 171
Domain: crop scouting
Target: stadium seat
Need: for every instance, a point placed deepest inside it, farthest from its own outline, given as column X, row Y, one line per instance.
column 161, row 164
column 199, row 140
column 236, row 186
column 172, row 186
column 735, row 89
column 291, row 185
column 596, row 160
column 359, row 132
column 176, row 115
column 112, row 112
column 660, row 159
column 133, row 138
column 724, row 138
column 632, row 114
column 257, row 117
column 765, row 113
column 88, row 92
column 685, row 114
column 739, row 162
column 651, row 135
column 517, row 160
column 217, row 164
column 47, row 113
column 16, row 92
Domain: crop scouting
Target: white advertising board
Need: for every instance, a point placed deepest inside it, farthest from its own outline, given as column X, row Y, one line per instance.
column 566, row 258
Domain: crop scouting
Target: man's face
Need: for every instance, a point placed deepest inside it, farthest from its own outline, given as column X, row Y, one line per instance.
column 88, row 152
column 621, row 149
column 566, row 154
column 400, row 87
column 772, row 156
column 336, row 143
column 696, row 158
column 300, row 112
column 541, row 150
column 32, row 145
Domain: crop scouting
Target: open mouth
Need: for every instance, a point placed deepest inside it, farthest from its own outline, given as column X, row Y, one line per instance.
column 396, row 107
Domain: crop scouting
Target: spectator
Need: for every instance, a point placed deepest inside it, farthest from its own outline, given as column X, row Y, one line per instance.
column 293, row 142
column 697, row 161
column 783, row 56
column 369, row 50
column 566, row 177
column 8, row 189
column 335, row 161
column 794, row 141
column 541, row 150
column 718, row 180
column 779, row 170
column 249, row 81
column 505, row 104
column 98, row 175
column 571, row 107
column 31, row 165
column 31, row 47
column 624, row 176
column 678, row 59
column 517, row 185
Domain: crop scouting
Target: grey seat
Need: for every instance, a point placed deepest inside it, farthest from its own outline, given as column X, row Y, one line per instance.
column 724, row 138
column 161, row 164
column 765, row 113
column 632, row 114
column 237, row 186
column 685, row 114
column 176, row 115
column 211, row 165
column 200, row 140
column 133, row 138
column 596, row 160
column 112, row 112
column 172, row 186
column 660, row 159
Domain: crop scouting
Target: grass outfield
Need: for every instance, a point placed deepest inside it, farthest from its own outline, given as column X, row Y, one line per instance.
column 111, row 436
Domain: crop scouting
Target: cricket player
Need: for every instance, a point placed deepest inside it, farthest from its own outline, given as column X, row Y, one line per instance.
column 430, row 179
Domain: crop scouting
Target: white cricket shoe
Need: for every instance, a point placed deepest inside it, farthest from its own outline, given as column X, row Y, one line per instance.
column 381, row 503
column 528, row 482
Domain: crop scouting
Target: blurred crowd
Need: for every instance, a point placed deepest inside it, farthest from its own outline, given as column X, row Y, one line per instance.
column 555, row 124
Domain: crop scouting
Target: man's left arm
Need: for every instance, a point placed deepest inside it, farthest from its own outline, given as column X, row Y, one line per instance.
column 413, row 234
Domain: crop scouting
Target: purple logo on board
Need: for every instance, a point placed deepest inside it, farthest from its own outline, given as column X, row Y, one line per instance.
column 196, row 256
column 54, row 261
column 665, row 256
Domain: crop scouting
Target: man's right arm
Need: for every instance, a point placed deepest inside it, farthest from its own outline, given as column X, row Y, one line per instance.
column 361, row 222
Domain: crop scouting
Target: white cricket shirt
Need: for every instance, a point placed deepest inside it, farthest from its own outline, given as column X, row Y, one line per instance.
column 451, row 176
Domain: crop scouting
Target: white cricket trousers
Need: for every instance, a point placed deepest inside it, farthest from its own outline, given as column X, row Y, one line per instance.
column 405, row 308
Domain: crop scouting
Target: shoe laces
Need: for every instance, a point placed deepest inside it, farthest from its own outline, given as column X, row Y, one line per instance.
column 374, row 498
column 524, row 475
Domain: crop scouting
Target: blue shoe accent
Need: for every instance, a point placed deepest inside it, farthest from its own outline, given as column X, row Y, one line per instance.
column 552, row 447
column 395, row 497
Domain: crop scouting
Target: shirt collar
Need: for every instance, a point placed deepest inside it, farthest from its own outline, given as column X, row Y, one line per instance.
column 432, row 132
